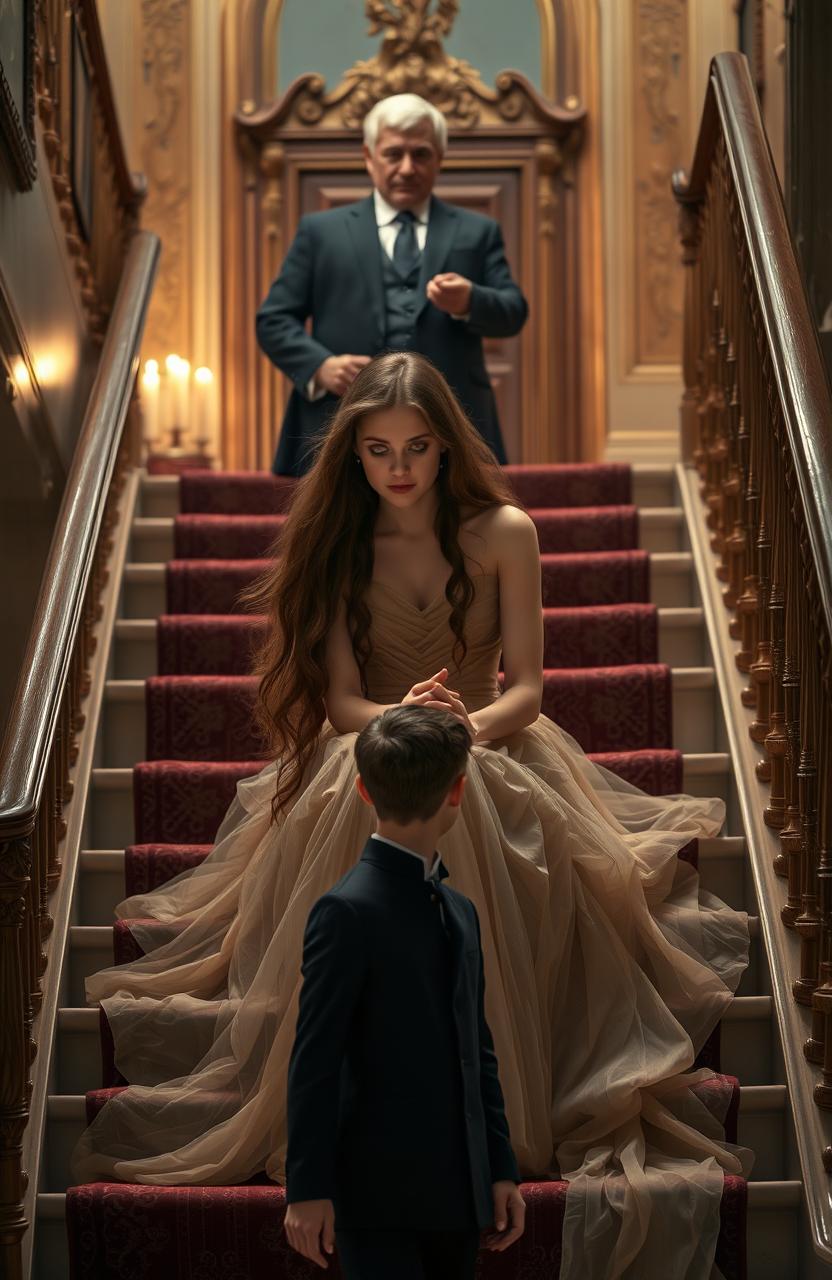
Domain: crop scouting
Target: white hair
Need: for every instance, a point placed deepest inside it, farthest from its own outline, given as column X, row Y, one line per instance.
column 404, row 111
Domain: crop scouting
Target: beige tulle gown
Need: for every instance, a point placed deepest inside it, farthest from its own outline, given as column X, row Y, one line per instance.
column 606, row 968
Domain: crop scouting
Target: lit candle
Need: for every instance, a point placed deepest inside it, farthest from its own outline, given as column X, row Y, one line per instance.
column 150, row 400
column 170, row 403
column 203, row 403
column 183, row 387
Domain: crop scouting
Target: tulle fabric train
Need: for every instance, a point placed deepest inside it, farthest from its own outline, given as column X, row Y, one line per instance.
column 606, row 969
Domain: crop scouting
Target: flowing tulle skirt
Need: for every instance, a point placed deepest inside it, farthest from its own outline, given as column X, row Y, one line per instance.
column 606, row 969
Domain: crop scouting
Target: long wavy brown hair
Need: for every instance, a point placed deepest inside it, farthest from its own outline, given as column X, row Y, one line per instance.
column 325, row 552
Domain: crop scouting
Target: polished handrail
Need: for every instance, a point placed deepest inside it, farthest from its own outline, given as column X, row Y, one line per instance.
column 34, row 710
column 46, row 715
column 732, row 108
column 756, row 424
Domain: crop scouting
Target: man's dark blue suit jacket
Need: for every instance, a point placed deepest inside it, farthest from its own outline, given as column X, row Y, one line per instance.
column 333, row 273
column 395, row 1111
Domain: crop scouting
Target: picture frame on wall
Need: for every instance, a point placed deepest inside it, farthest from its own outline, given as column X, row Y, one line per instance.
column 82, row 135
column 17, row 88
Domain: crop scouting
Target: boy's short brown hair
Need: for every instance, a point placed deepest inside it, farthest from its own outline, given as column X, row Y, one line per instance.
column 409, row 757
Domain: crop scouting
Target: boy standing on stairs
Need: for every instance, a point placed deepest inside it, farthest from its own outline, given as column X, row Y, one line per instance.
column 398, row 1146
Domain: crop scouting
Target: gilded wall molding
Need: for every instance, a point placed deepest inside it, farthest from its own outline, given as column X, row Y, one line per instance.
column 411, row 59
column 549, row 13
column 97, row 251
column 165, row 149
column 660, row 96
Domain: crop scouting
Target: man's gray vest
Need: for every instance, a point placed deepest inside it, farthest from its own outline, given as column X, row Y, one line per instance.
column 400, row 302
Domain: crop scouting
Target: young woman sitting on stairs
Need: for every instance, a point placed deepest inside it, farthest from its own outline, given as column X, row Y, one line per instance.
column 404, row 571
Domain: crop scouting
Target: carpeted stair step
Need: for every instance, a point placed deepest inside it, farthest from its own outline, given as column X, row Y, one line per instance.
column 595, row 636
column 604, row 708
column 209, row 586
column 147, row 866
column 560, row 485
column 184, row 801
column 249, row 537
column 176, row 801
column 591, row 578
column 175, row 1230
column 569, row 580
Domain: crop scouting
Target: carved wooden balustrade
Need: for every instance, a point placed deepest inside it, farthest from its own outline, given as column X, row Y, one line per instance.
column 98, row 197
column 757, row 425
column 47, row 714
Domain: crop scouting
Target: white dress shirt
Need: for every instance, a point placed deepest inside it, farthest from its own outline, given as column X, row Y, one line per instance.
column 388, row 229
column 428, row 870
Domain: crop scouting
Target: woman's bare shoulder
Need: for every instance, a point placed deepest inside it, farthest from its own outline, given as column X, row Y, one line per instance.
column 499, row 522
column 503, row 534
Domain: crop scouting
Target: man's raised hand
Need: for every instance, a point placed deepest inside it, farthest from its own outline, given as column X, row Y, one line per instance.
column 309, row 1225
column 450, row 292
column 338, row 372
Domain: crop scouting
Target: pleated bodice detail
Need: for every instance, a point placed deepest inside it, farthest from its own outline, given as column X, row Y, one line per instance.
column 410, row 644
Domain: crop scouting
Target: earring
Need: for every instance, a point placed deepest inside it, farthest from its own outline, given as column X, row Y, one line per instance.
column 358, row 460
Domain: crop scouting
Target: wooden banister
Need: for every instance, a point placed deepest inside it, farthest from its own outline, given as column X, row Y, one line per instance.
column 47, row 713
column 756, row 423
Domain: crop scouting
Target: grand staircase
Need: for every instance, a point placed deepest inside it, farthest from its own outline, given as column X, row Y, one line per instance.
column 628, row 672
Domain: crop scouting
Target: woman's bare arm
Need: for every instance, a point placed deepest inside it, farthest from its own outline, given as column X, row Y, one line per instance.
column 514, row 537
column 347, row 709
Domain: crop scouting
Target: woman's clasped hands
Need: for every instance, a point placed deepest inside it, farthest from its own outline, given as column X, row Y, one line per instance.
column 434, row 693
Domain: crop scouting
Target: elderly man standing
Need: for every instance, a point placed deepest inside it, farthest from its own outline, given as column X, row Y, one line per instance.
column 400, row 270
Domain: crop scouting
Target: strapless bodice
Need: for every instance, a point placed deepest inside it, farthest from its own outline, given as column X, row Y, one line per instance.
column 410, row 644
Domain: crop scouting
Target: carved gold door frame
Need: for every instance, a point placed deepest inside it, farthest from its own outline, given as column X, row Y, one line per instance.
column 562, row 345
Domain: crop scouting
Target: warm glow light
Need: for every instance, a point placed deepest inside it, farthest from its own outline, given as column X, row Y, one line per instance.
column 203, row 375
column 151, row 367
column 172, row 363
column 20, row 373
column 150, row 377
column 45, row 368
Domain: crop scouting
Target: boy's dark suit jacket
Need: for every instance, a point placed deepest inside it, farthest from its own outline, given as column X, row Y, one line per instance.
column 395, row 1110
column 332, row 273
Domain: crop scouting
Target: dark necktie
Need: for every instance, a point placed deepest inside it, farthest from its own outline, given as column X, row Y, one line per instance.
column 406, row 247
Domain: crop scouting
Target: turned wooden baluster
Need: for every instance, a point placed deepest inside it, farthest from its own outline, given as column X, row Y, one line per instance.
column 807, row 923
column 15, row 984
column 775, row 742
column 689, row 227
column 720, row 453
column 734, row 504
column 711, row 489
column 790, row 836
column 819, row 1048
column 747, row 605
column 761, row 667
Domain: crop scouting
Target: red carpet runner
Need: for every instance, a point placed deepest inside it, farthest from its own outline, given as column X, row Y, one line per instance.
column 603, row 683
